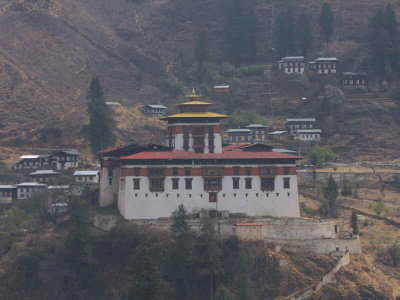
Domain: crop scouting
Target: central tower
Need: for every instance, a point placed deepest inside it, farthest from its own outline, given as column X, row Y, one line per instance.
column 194, row 128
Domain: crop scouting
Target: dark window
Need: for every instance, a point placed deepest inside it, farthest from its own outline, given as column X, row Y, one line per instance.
column 198, row 130
column 236, row 171
column 211, row 184
column 267, row 184
column 185, row 130
column 136, row 171
column 248, row 171
column 188, row 171
column 286, row 171
column 198, row 141
column 213, row 171
column 267, row 171
column 188, row 183
column 156, row 172
column 136, row 184
column 286, row 183
column 156, row 184
column 212, row 197
column 174, row 171
column 248, row 183
column 199, row 150
column 211, row 131
column 175, row 183
column 235, row 182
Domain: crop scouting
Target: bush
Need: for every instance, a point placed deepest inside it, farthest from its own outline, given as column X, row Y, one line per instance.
column 318, row 156
column 394, row 253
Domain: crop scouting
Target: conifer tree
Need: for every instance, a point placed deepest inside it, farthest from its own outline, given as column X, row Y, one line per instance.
column 354, row 222
column 331, row 193
column 201, row 51
column 326, row 21
column 100, row 130
column 305, row 36
column 285, row 33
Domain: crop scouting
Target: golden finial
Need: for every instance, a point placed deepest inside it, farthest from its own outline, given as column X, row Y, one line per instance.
column 193, row 95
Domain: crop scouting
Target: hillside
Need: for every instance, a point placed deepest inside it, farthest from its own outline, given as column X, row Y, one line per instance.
column 141, row 50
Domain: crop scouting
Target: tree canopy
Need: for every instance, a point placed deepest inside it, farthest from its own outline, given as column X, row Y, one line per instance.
column 326, row 21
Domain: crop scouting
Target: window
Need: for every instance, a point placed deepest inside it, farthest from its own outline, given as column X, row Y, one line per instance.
column 136, row 184
column 267, row 171
column 218, row 171
column 199, row 150
column 188, row 171
column 212, row 197
column 267, row 184
column 286, row 171
column 175, row 183
column 188, row 183
column 156, row 184
column 235, row 183
column 198, row 130
column 248, row 183
column 136, row 171
column 174, row 171
column 211, row 131
column 286, row 183
column 212, row 184
column 198, row 141
column 156, row 172
column 248, row 171
column 236, row 171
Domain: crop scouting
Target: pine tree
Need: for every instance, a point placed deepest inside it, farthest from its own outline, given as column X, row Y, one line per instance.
column 354, row 222
column 285, row 33
column 331, row 193
column 201, row 51
column 392, row 28
column 326, row 21
column 305, row 36
column 100, row 130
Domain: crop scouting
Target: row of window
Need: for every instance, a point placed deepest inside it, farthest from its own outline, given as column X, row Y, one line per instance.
column 302, row 126
column 210, row 184
column 6, row 194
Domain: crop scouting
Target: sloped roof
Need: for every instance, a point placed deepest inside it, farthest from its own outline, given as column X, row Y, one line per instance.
column 44, row 172
column 86, row 173
column 158, row 106
column 196, row 115
column 238, row 130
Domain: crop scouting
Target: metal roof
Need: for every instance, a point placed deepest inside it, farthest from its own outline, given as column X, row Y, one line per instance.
column 29, row 156
column 326, row 59
column 31, row 184
column 255, row 126
column 293, row 58
column 7, row 187
column 44, row 172
column 58, row 187
column 159, row 106
column 278, row 132
column 222, row 86
column 301, row 120
column 238, row 130
column 309, row 131
column 196, row 115
column 283, row 150
column 86, row 173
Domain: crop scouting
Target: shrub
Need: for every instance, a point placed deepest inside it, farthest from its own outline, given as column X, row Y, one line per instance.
column 318, row 156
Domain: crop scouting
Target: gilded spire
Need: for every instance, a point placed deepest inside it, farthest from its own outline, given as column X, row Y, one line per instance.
column 193, row 96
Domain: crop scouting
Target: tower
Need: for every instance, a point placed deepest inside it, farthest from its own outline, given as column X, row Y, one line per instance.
column 194, row 128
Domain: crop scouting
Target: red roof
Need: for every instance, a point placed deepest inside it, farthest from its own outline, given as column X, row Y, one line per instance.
column 228, row 153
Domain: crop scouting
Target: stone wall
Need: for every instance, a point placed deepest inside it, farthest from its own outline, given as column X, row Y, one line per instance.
column 306, row 177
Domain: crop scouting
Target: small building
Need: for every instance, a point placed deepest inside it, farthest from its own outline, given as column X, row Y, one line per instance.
column 44, row 176
column 8, row 193
column 258, row 131
column 32, row 162
column 65, row 159
column 354, row 79
column 88, row 176
column 239, row 135
column 292, row 64
column 308, row 135
column 154, row 110
column 27, row 189
column 324, row 65
column 278, row 135
column 222, row 89
column 113, row 104
column 292, row 125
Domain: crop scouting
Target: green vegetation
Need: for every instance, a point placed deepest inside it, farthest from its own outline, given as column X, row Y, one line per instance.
column 319, row 156
column 354, row 222
column 100, row 130
column 330, row 192
column 380, row 207
column 304, row 34
column 240, row 33
column 384, row 43
column 243, row 118
column 394, row 253
column 326, row 20
column 346, row 190
column 285, row 33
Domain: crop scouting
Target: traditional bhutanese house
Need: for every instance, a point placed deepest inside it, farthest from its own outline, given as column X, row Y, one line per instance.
column 65, row 159
column 278, row 136
column 350, row 79
column 86, row 176
column 154, row 110
column 201, row 174
column 8, row 193
column 33, row 162
column 44, row 176
column 324, row 65
column 292, row 64
column 222, row 89
column 292, row 125
column 258, row 132
column 239, row 135
column 308, row 135
column 27, row 189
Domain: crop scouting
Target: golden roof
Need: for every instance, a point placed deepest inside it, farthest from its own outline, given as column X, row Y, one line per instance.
column 195, row 103
column 193, row 95
column 196, row 115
